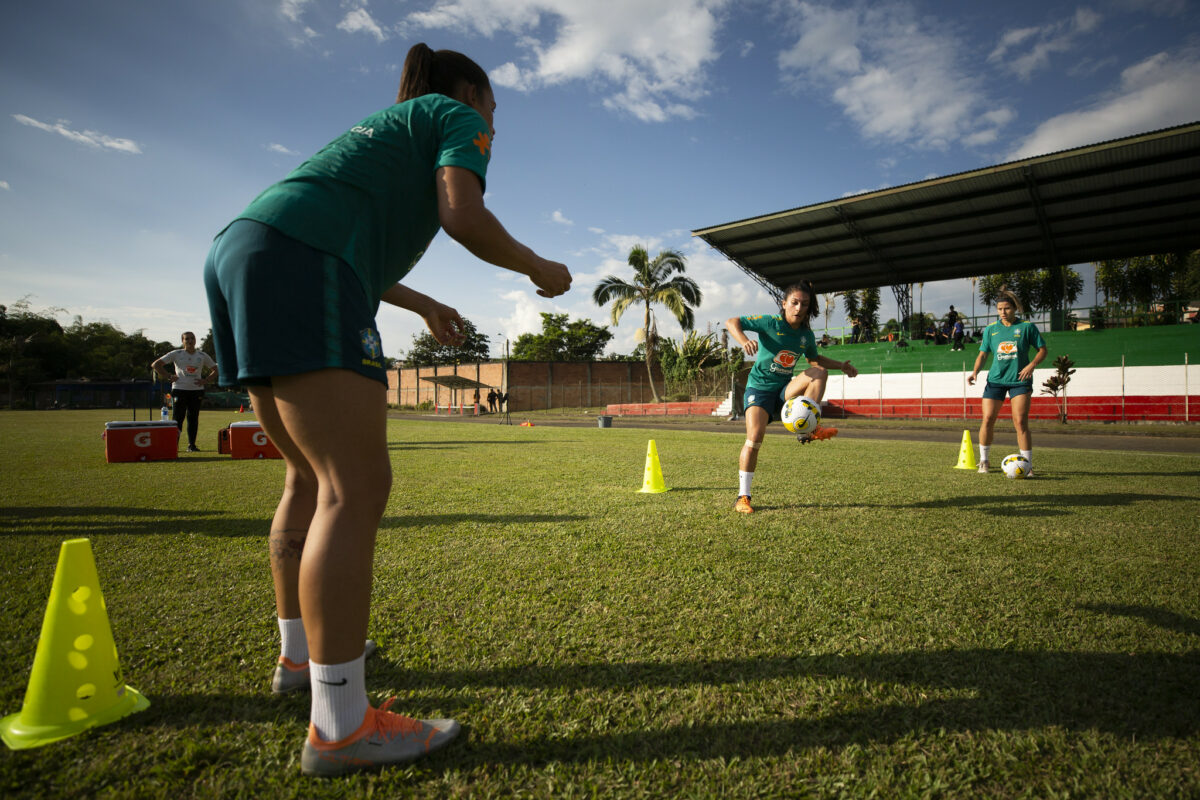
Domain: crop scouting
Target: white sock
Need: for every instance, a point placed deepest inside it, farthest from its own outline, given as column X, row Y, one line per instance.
column 744, row 481
column 983, row 452
column 339, row 698
column 293, row 641
column 1028, row 454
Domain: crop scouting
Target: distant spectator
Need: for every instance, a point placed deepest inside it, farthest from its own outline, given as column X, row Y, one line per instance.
column 952, row 317
column 187, row 383
column 959, row 332
column 825, row 340
column 476, row 400
column 855, row 330
column 491, row 400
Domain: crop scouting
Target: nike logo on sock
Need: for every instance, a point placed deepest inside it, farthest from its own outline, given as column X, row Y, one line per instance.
column 342, row 682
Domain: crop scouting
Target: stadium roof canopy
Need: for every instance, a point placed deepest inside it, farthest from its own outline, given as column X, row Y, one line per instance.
column 1128, row 197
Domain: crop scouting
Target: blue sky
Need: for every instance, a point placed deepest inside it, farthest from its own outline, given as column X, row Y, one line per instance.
column 132, row 132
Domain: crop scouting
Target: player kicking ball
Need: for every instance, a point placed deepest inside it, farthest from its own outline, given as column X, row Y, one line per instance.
column 783, row 339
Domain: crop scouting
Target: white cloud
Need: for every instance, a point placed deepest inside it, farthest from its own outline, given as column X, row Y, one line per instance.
column 293, row 9
column 360, row 21
column 558, row 217
column 4, row 185
column 894, row 75
column 649, row 56
column 278, row 148
column 1043, row 42
column 89, row 138
column 1156, row 93
column 527, row 310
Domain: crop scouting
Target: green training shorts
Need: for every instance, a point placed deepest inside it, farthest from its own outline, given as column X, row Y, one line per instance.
column 280, row 307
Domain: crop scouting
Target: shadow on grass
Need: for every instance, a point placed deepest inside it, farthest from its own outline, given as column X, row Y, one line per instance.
column 1168, row 620
column 1135, row 697
column 426, row 520
column 104, row 520
column 1183, row 473
column 86, row 521
column 1052, row 506
column 443, row 445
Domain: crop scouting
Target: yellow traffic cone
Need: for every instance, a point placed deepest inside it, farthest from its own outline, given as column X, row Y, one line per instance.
column 653, row 482
column 966, row 453
column 76, row 681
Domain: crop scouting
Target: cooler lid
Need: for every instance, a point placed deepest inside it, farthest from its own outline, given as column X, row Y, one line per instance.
column 157, row 423
column 245, row 425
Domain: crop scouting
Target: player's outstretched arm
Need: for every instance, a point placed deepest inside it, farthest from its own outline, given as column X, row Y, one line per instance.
column 443, row 322
column 465, row 218
column 849, row 369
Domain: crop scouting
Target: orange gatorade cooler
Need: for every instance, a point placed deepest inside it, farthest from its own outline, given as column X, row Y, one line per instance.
column 247, row 440
column 141, row 441
column 223, row 441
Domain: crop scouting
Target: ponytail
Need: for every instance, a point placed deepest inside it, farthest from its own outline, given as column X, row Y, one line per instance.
column 428, row 71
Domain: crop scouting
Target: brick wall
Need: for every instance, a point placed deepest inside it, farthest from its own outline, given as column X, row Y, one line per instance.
column 531, row 385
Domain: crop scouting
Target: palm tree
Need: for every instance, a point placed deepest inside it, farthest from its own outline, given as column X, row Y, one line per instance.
column 654, row 282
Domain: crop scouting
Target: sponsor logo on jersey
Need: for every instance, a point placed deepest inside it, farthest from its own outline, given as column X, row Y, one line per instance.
column 1007, row 348
column 785, row 358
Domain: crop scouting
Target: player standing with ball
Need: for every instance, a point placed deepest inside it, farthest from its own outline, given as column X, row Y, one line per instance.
column 293, row 285
column 783, row 339
column 1011, row 374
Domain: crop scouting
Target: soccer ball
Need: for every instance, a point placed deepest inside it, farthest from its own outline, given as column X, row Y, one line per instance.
column 1016, row 466
column 801, row 415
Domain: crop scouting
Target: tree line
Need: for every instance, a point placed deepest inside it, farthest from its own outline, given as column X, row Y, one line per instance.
column 34, row 347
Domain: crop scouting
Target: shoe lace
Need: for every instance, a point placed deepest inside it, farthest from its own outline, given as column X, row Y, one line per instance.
column 389, row 724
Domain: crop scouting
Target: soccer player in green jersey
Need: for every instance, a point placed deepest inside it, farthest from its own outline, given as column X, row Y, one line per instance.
column 1011, row 374
column 783, row 340
column 293, row 285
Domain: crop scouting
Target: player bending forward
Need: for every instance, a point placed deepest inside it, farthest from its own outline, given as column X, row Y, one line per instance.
column 782, row 340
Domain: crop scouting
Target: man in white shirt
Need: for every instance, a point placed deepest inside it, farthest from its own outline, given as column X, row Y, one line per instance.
column 188, row 382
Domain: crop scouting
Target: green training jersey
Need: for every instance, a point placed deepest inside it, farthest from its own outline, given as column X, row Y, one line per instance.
column 369, row 196
column 780, row 346
column 1010, row 346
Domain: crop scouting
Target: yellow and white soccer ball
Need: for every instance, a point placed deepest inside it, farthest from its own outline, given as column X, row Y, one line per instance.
column 801, row 415
column 1016, row 466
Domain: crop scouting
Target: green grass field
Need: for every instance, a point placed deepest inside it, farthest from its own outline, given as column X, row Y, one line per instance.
column 883, row 626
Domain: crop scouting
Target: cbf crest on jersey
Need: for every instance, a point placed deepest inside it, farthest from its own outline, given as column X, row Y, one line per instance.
column 371, row 343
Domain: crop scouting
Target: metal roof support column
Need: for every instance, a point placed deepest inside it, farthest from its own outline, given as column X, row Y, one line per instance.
column 902, row 292
column 1052, row 262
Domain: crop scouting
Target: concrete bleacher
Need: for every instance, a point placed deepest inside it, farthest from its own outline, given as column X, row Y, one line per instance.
column 1123, row 374
column 1142, row 347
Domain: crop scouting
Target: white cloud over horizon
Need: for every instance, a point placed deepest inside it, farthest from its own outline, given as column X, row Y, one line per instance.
column 92, row 139
column 650, row 57
column 1158, row 92
column 360, row 20
column 1043, row 42
column 898, row 78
